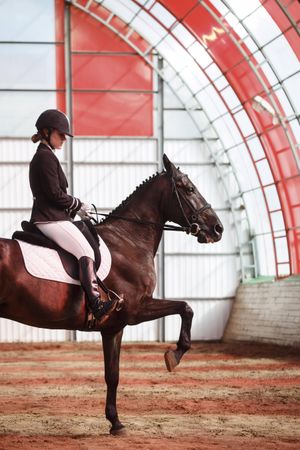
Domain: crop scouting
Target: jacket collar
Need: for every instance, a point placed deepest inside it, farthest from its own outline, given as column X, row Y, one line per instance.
column 43, row 146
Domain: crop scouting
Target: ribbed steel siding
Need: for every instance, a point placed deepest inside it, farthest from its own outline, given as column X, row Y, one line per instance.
column 106, row 171
column 17, row 332
column 210, row 318
column 147, row 331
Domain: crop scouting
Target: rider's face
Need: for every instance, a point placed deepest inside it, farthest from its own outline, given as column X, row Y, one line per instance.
column 57, row 139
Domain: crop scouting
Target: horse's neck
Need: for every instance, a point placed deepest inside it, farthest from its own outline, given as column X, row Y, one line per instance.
column 143, row 206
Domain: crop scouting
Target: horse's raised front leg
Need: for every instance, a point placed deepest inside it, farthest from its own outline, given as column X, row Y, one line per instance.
column 111, row 348
column 152, row 308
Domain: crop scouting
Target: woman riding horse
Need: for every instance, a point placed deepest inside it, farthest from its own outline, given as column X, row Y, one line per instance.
column 53, row 209
column 132, row 233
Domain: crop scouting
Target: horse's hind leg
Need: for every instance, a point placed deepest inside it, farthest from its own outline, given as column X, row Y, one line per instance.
column 111, row 348
column 152, row 309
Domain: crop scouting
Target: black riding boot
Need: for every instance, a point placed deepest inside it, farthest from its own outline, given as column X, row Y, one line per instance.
column 88, row 278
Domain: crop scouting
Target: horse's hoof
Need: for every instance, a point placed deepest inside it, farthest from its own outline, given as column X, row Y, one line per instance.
column 170, row 360
column 118, row 431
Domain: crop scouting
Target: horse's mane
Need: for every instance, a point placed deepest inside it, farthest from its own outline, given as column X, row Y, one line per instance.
column 127, row 200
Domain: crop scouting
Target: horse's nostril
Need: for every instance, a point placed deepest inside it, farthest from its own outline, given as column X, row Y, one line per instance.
column 218, row 228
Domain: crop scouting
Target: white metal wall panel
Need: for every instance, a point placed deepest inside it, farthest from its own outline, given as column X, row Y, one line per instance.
column 145, row 332
column 92, row 336
column 105, row 175
column 210, row 318
column 14, row 186
column 115, row 150
column 15, row 195
column 200, row 276
column 107, row 186
column 14, row 150
column 17, row 332
column 10, row 221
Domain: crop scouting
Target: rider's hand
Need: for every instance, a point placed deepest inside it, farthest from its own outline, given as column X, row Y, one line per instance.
column 85, row 211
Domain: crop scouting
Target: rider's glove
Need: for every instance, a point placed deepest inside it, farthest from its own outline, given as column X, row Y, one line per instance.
column 85, row 211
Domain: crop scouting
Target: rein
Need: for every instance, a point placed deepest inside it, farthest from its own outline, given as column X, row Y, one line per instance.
column 192, row 227
column 140, row 221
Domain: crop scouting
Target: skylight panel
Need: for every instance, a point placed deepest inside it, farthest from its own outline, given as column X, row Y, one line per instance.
column 200, row 54
column 243, row 8
column 163, row 15
column 147, row 27
column 282, row 57
column 183, row 35
column 261, row 25
column 126, row 10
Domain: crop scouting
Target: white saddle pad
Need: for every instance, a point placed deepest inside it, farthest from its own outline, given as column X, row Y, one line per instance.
column 45, row 263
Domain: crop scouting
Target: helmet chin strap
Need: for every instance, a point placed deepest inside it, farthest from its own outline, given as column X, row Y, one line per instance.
column 47, row 137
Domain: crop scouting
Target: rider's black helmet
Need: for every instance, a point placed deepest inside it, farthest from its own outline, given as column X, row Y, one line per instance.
column 54, row 119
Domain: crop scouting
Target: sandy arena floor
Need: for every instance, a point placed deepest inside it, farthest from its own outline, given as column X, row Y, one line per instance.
column 222, row 396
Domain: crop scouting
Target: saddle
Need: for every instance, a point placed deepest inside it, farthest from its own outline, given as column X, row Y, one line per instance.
column 32, row 235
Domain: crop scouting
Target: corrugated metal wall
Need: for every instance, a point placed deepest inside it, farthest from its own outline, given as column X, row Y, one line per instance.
column 105, row 172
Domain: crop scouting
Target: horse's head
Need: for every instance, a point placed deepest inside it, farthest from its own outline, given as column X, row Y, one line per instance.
column 189, row 208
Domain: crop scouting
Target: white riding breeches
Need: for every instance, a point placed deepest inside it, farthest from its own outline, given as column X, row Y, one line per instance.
column 68, row 237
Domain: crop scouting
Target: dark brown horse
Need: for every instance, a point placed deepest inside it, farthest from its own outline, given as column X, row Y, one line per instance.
column 167, row 196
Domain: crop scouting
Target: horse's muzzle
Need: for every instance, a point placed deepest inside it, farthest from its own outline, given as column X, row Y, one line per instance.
column 210, row 236
column 218, row 231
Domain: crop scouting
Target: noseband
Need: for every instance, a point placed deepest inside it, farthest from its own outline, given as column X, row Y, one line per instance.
column 193, row 227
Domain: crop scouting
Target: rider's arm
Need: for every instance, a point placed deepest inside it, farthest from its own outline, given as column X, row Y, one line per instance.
column 54, row 183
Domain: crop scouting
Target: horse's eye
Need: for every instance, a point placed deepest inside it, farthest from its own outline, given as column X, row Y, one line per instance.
column 190, row 189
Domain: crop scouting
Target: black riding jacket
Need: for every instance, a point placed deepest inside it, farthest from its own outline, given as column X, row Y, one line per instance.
column 49, row 188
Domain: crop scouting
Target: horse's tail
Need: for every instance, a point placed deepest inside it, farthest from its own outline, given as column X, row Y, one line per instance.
column 3, row 247
column 2, row 253
column 4, row 262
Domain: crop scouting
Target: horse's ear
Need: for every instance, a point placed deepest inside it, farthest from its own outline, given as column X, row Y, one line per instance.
column 169, row 166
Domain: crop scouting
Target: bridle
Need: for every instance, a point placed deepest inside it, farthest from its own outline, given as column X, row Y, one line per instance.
column 192, row 227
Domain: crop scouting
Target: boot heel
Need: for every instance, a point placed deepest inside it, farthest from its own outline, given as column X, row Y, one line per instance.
column 103, row 309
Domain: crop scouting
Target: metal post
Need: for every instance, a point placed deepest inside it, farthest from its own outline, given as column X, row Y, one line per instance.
column 70, row 334
column 68, row 84
column 160, row 151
